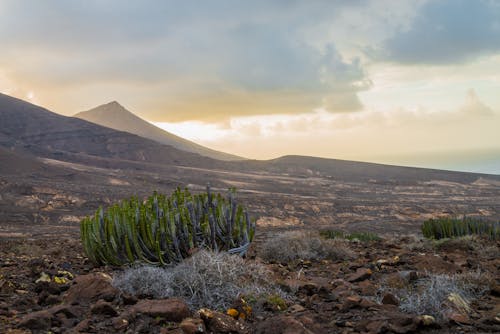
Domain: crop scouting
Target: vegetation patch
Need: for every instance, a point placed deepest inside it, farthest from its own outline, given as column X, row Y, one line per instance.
column 302, row 245
column 440, row 294
column 361, row 236
column 207, row 279
column 163, row 230
column 440, row 228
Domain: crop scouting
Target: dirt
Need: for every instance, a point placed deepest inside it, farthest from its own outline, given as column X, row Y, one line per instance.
column 342, row 296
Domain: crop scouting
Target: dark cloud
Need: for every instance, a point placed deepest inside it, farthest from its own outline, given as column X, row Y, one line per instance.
column 446, row 31
column 210, row 51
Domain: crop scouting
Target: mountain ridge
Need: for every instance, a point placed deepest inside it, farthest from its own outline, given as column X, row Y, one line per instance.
column 113, row 115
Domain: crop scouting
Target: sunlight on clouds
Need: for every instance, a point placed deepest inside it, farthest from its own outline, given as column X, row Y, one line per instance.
column 195, row 131
column 367, row 134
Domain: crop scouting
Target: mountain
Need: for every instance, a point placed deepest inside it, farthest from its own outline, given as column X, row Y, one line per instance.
column 57, row 169
column 30, row 128
column 113, row 115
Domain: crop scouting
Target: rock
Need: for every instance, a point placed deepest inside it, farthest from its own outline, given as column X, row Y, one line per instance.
column 390, row 299
column 68, row 310
column 495, row 290
column 459, row 318
column 49, row 287
column 89, row 288
column 367, row 288
column 217, row 322
column 360, row 275
column 425, row 320
column 296, row 308
column 281, row 325
column 309, row 288
column 120, row 323
column 366, row 303
column 82, row 327
column 291, row 285
column 193, row 326
column 376, row 326
column 171, row 309
column 43, row 278
column 129, row 299
column 103, row 307
column 52, row 300
column 40, row 320
column 350, row 302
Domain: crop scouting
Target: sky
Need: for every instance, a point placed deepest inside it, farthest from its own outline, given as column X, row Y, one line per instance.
column 391, row 81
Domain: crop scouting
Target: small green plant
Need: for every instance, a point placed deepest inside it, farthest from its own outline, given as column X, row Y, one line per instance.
column 361, row 236
column 276, row 302
column 440, row 228
column 163, row 230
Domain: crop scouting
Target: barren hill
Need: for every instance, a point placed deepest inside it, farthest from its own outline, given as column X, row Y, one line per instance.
column 31, row 128
column 114, row 115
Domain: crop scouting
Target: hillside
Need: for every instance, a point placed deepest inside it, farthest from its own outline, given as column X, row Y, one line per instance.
column 115, row 116
column 31, row 128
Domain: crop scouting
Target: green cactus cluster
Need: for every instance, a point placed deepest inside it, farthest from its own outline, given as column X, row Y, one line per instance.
column 164, row 230
column 361, row 236
column 449, row 227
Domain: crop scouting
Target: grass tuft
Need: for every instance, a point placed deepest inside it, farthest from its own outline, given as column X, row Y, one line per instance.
column 207, row 279
column 301, row 245
column 361, row 236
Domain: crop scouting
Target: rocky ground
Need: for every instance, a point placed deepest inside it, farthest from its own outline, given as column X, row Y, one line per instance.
column 47, row 285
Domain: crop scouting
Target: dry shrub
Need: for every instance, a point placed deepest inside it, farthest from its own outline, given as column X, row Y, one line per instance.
column 207, row 279
column 302, row 245
column 428, row 295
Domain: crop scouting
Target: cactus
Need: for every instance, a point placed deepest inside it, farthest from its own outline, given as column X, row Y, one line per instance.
column 164, row 230
column 454, row 227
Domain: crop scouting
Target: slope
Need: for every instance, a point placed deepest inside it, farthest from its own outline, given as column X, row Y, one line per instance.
column 27, row 127
column 115, row 116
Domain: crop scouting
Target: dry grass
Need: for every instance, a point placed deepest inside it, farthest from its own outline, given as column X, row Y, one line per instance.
column 291, row 246
column 429, row 295
column 207, row 279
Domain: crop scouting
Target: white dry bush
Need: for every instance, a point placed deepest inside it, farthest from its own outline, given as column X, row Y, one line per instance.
column 207, row 279
column 302, row 245
column 429, row 295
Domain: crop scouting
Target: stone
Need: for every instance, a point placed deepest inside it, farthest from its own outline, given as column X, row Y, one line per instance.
column 103, row 307
column 89, row 288
column 390, row 299
column 82, row 327
column 40, row 320
column 361, row 274
column 129, row 299
column 367, row 288
column 120, row 323
column 309, row 288
column 350, row 302
column 217, row 322
column 49, row 288
column 366, row 303
column 281, row 324
column 459, row 318
column 296, row 308
column 193, row 326
column 425, row 320
column 495, row 290
column 171, row 309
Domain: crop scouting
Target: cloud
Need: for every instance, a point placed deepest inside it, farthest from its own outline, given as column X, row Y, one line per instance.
column 359, row 136
column 444, row 32
column 184, row 59
column 475, row 107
